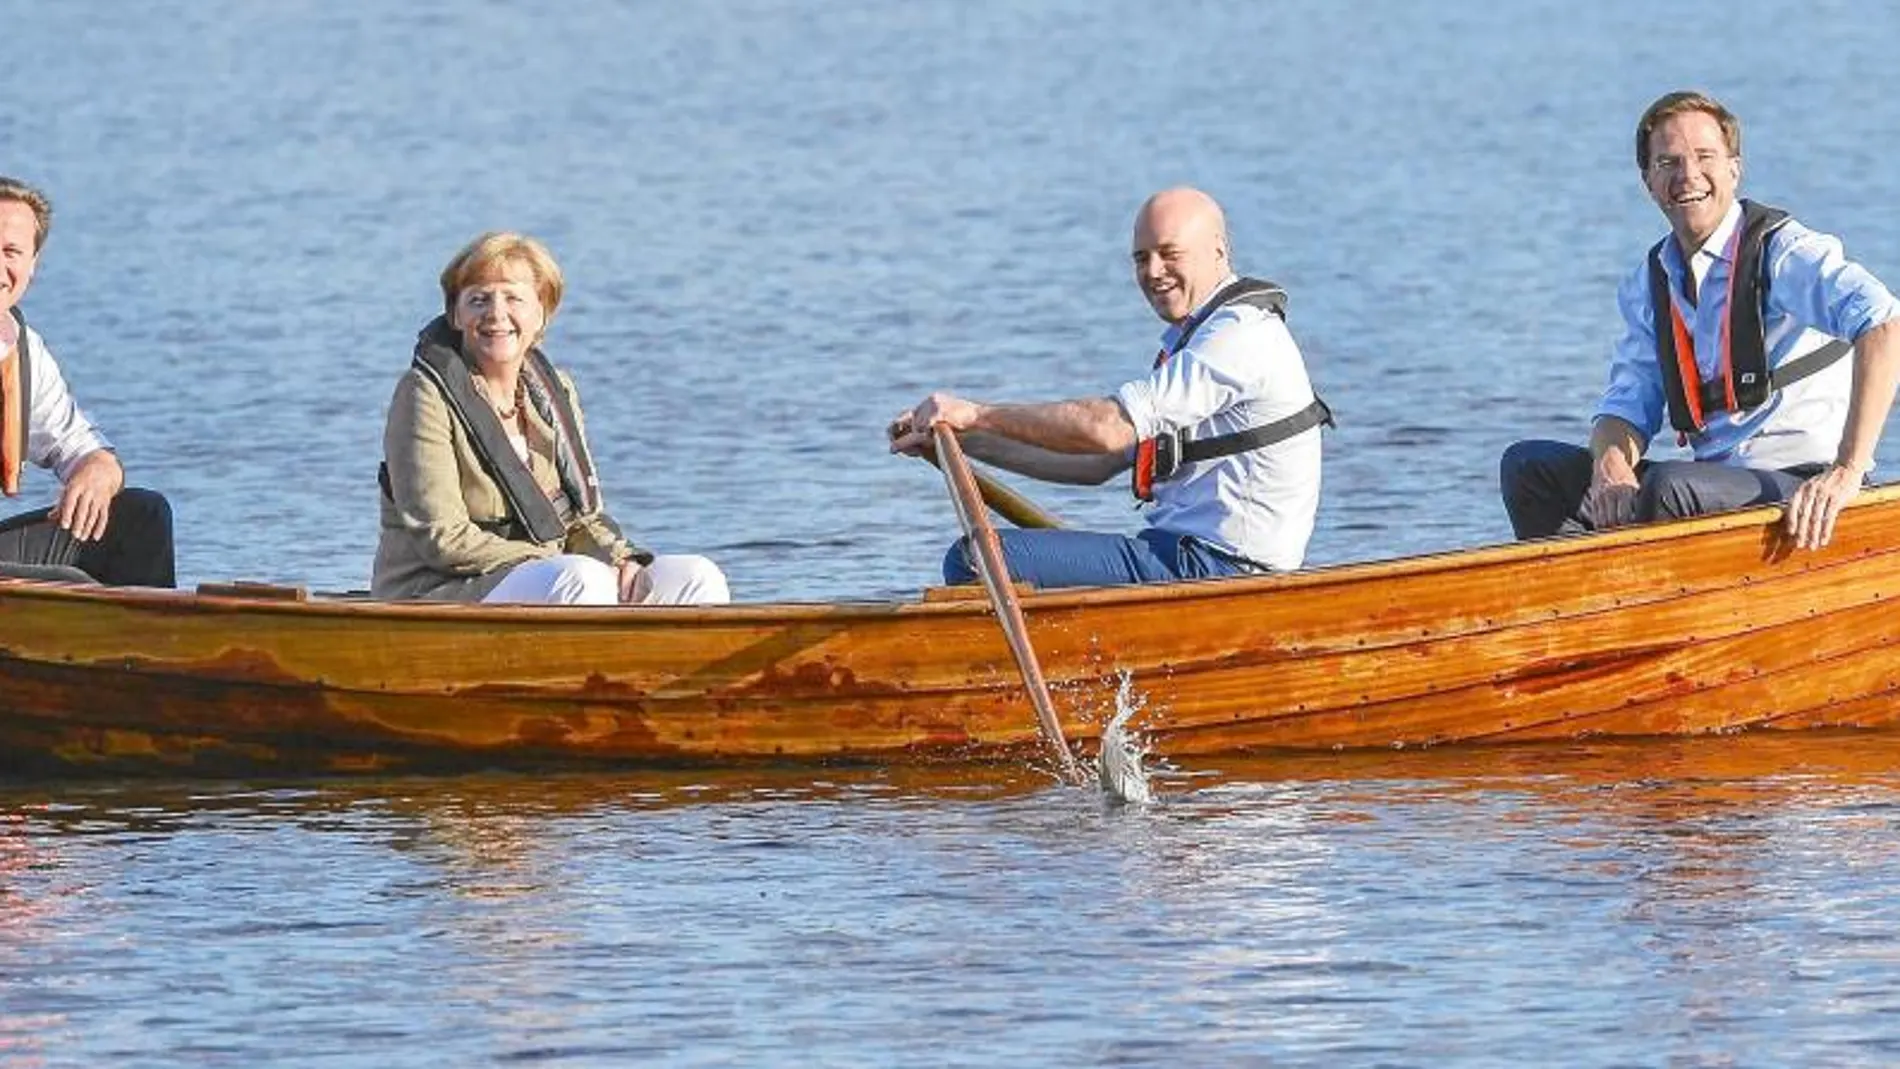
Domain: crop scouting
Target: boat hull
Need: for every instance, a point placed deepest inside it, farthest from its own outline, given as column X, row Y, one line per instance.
column 1708, row 626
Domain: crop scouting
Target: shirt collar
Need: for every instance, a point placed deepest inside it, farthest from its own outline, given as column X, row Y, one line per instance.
column 1718, row 244
column 9, row 332
column 1173, row 333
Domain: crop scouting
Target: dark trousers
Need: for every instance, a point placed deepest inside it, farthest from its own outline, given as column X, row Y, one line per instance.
column 1544, row 482
column 136, row 549
column 1047, row 558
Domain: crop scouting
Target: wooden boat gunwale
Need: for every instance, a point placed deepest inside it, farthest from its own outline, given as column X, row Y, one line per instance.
column 1354, row 572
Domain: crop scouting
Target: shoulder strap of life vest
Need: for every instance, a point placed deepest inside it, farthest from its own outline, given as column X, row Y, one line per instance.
column 1675, row 354
column 18, row 409
column 438, row 356
column 1746, row 381
column 18, row 412
column 1745, row 325
column 1747, row 362
column 552, row 401
column 1264, row 295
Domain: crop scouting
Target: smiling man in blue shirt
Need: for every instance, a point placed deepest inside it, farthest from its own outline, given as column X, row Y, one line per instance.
column 1754, row 338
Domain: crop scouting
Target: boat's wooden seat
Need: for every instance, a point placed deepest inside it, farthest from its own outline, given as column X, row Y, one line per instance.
column 46, row 573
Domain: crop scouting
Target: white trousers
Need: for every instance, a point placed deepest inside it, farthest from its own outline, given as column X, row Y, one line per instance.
column 571, row 579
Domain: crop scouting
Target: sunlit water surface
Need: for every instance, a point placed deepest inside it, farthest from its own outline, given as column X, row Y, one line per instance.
column 1724, row 902
column 782, row 222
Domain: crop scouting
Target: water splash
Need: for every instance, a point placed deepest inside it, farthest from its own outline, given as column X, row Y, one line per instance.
column 1118, row 765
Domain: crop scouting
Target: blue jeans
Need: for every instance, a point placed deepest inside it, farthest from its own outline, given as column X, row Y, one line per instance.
column 1045, row 558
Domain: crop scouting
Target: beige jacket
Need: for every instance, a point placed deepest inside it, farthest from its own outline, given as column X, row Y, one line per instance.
column 439, row 538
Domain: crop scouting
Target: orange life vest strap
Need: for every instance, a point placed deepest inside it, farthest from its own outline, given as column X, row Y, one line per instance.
column 1685, row 364
column 1143, row 476
column 13, row 407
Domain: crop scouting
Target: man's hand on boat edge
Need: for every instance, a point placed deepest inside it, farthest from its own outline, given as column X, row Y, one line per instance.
column 1817, row 503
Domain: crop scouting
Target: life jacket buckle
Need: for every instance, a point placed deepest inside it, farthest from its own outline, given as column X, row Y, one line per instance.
column 1168, row 448
column 1156, row 461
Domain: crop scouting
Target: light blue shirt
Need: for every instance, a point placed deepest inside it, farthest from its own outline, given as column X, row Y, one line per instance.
column 1814, row 293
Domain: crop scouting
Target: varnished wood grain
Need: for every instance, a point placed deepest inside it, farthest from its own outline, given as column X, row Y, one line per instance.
column 1709, row 626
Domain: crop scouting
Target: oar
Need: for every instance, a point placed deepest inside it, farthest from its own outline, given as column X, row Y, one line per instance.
column 987, row 553
column 1008, row 504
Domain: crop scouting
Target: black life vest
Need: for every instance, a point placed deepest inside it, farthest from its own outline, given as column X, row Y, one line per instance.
column 534, row 514
column 1745, row 381
column 1157, row 459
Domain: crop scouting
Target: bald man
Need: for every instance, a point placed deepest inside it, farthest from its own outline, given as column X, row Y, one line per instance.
column 1221, row 437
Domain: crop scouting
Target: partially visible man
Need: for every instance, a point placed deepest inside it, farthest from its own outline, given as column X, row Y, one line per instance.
column 118, row 536
column 1735, row 327
column 1221, row 436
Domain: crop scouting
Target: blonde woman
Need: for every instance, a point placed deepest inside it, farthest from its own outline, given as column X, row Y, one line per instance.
column 488, row 488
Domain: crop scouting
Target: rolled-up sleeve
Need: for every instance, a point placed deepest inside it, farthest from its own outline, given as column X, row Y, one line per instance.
column 1200, row 380
column 58, row 435
column 1635, row 391
column 1137, row 399
column 1813, row 280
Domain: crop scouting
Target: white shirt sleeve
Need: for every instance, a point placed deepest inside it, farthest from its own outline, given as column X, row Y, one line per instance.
column 58, row 434
column 1209, row 376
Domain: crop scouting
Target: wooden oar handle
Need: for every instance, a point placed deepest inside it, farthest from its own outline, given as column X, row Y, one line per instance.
column 986, row 553
column 1008, row 504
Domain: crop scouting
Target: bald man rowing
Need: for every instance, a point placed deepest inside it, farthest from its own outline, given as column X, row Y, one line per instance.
column 1221, row 437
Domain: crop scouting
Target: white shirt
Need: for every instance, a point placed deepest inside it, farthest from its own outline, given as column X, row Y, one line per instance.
column 1240, row 370
column 58, row 434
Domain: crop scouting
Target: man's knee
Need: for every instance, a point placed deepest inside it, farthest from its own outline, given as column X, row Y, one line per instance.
column 957, row 569
column 1534, row 462
column 1517, row 457
column 1541, row 483
column 146, row 510
column 137, row 549
column 138, row 500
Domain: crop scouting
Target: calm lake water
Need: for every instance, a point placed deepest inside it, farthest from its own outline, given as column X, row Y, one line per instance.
column 781, row 223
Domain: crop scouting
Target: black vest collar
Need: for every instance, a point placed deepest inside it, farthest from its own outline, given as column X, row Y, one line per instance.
column 1266, row 296
column 439, row 356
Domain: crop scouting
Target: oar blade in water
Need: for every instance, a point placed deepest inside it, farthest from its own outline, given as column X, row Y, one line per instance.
column 1118, row 766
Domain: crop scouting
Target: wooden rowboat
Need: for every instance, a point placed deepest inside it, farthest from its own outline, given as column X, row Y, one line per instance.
column 1707, row 626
